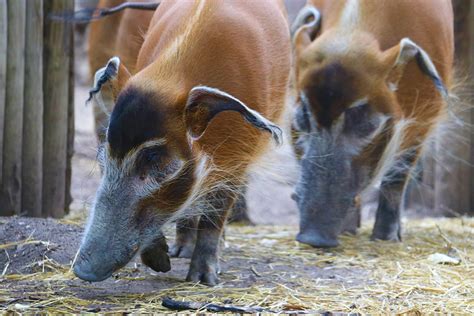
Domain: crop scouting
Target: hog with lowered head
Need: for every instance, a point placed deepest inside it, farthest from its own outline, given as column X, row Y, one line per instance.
column 371, row 79
column 211, row 77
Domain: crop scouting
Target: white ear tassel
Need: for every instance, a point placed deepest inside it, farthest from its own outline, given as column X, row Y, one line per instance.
column 300, row 20
column 101, row 76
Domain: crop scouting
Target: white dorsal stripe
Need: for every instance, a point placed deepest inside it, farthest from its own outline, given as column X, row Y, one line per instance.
column 172, row 49
column 350, row 15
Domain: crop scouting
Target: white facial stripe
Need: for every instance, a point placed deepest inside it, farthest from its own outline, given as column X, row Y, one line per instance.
column 115, row 168
column 358, row 102
column 304, row 98
column 338, row 125
column 150, row 186
column 131, row 157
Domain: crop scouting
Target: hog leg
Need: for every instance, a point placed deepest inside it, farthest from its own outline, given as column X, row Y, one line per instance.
column 186, row 233
column 352, row 220
column 387, row 220
column 156, row 256
column 204, row 265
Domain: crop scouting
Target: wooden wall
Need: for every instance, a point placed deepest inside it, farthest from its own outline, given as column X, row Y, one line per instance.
column 36, row 108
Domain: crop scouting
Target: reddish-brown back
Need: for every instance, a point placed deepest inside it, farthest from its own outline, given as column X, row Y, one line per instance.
column 240, row 47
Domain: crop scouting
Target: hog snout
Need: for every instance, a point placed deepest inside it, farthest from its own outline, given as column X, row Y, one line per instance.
column 316, row 239
column 96, row 263
column 87, row 271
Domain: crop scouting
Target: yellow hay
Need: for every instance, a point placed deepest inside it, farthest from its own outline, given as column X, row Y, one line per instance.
column 388, row 278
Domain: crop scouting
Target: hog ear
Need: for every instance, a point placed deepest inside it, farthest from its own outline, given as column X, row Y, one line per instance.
column 397, row 57
column 305, row 27
column 204, row 103
column 108, row 82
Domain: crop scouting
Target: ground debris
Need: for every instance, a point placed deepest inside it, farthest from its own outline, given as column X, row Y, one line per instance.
column 214, row 308
column 443, row 259
column 359, row 277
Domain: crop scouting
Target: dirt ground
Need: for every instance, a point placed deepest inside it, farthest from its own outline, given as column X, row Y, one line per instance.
column 261, row 266
column 38, row 246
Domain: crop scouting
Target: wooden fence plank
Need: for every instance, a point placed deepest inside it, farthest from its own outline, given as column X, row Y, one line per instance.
column 56, row 98
column 10, row 199
column 3, row 74
column 71, row 126
column 33, row 111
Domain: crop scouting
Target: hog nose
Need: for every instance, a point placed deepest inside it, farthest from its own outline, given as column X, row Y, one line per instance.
column 316, row 239
column 84, row 271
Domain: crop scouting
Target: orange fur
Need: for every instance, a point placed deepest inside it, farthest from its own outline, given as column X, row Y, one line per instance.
column 364, row 41
column 185, row 48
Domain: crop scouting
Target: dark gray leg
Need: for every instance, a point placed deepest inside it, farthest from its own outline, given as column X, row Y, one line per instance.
column 352, row 220
column 186, row 233
column 387, row 221
column 205, row 260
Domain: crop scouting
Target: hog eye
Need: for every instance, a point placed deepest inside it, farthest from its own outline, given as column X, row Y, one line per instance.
column 164, row 171
column 155, row 163
column 359, row 121
column 150, row 157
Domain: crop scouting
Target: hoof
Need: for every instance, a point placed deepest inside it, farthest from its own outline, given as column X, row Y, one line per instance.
column 181, row 251
column 388, row 232
column 388, row 236
column 204, row 271
column 207, row 278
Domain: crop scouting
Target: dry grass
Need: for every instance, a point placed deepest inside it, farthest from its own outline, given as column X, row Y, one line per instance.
column 385, row 277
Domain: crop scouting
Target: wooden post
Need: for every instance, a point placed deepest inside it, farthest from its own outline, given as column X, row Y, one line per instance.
column 71, row 125
column 57, row 51
column 453, row 186
column 3, row 78
column 10, row 199
column 32, row 163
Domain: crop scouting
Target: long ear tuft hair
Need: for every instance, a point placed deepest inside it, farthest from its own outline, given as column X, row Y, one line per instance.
column 104, row 75
column 306, row 25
